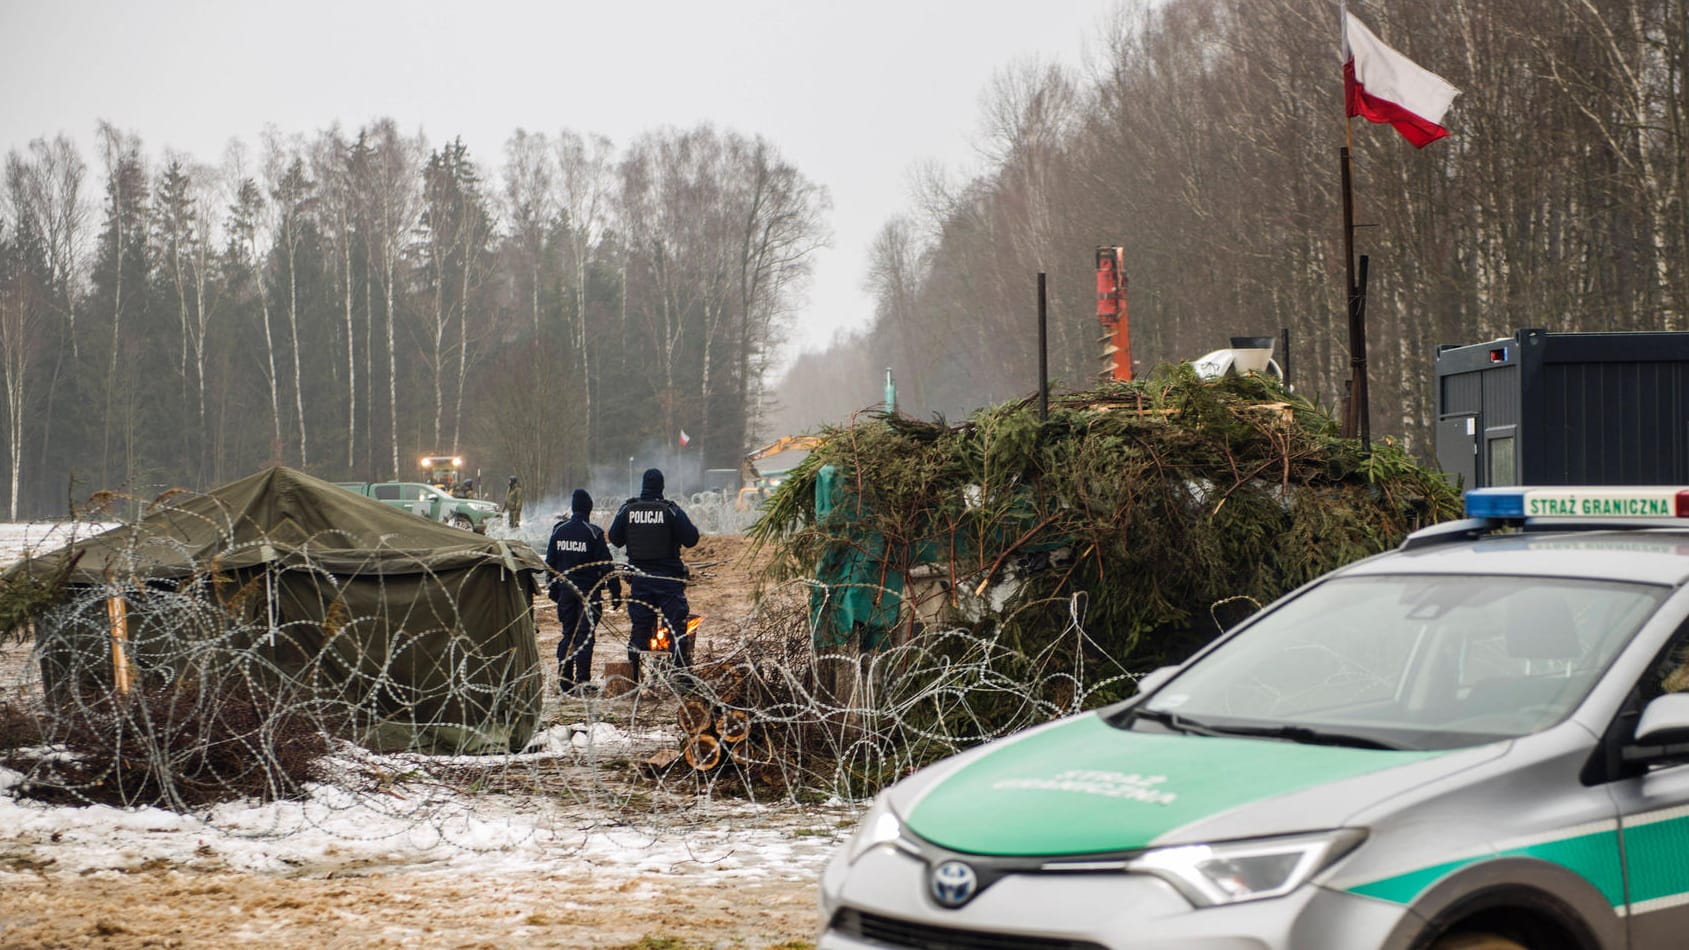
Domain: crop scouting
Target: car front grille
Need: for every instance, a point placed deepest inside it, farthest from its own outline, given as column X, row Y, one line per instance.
column 893, row 932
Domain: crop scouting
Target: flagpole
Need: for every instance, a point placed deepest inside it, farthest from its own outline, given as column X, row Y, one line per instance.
column 1352, row 398
column 1356, row 404
column 1413, row 100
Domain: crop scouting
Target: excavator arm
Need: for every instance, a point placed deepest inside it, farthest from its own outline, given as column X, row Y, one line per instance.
column 754, row 491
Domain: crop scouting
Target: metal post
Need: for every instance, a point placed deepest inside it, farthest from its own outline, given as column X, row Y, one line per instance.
column 1043, row 352
column 631, row 492
column 1351, row 416
column 1284, row 359
column 1363, row 402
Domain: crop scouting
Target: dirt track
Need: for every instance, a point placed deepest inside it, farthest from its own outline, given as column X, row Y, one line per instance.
column 206, row 903
column 568, row 907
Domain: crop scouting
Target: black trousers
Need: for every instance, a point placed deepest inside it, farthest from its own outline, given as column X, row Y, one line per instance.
column 574, row 649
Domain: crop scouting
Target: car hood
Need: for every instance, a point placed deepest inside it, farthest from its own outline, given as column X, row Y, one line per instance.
column 1082, row 786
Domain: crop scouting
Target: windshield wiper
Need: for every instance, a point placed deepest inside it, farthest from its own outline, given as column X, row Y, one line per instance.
column 1303, row 735
column 1173, row 721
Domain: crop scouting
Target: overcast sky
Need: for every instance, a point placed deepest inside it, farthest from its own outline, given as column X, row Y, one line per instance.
column 855, row 93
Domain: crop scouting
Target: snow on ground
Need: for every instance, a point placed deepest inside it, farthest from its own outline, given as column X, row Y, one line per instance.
column 463, row 834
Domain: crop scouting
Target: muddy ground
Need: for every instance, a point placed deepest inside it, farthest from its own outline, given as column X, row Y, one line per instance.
column 574, row 901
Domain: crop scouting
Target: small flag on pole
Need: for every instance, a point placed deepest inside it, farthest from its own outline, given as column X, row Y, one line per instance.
column 684, row 438
column 1382, row 85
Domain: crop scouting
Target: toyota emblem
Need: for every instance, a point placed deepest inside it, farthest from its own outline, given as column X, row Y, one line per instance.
column 953, row 883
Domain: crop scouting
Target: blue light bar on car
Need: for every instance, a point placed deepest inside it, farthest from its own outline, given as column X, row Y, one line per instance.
column 1583, row 502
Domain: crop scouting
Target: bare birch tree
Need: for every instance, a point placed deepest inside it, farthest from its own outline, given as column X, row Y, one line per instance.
column 294, row 199
column 395, row 183
column 331, row 161
column 250, row 227
column 583, row 164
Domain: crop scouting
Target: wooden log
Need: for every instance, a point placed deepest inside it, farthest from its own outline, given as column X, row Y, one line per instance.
column 704, row 752
column 733, row 725
column 618, row 678
column 694, row 715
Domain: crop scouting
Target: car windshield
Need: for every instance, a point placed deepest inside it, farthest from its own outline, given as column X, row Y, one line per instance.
column 1410, row 662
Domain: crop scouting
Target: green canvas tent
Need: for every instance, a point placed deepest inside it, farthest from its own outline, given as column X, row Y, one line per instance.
column 419, row 634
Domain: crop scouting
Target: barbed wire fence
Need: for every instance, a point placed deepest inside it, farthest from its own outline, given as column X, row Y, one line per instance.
column 198, row 699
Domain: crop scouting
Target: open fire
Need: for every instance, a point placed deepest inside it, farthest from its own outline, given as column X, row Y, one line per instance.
column 660, row 640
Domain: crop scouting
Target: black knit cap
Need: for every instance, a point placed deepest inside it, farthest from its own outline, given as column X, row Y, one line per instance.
column 580, row 502
column 653, row 480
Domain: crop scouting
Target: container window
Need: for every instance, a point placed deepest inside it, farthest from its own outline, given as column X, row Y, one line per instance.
column 1502, row 468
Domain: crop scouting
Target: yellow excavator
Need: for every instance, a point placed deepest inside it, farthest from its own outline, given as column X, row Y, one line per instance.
column 758, row 481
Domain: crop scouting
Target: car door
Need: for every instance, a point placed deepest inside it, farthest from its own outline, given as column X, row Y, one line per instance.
column 1653, row 806
column 438, row 504
column 417, row 495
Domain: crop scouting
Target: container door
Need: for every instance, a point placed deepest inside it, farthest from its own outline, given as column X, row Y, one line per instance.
column 1457, row 449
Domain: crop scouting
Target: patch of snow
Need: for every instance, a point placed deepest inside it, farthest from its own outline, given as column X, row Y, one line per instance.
column 462, row 834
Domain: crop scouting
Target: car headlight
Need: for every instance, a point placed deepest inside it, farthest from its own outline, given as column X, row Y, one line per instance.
column 879, row 826
column 1234, row 871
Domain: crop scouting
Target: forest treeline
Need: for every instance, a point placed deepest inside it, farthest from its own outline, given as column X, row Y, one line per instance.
column 1204, row 137
column 346, row 302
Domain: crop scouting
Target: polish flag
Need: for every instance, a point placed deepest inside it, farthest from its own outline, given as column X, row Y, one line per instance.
column 684, row 438
column 1382, row 85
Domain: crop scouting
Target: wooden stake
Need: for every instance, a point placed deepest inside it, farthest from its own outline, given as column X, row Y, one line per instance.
column 117, row 610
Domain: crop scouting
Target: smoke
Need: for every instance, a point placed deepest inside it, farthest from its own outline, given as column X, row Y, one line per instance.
column 708, row 498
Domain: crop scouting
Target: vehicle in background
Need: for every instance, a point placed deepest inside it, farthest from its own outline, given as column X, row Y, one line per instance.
column 470, row 514
column 445, row 472
column 763, row 469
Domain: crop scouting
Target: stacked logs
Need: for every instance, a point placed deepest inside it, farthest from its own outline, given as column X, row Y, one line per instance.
column 711, row 732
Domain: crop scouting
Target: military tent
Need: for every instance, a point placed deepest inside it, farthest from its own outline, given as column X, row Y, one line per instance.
column 419, row 634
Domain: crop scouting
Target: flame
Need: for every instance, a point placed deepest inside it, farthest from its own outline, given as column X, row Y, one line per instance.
column 660, row 640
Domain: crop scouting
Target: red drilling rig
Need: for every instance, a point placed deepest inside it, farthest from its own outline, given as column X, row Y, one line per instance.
column 1111, row 313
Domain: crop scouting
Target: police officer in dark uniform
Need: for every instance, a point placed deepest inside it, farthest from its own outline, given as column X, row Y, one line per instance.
column 654, row 529
column 583, row 568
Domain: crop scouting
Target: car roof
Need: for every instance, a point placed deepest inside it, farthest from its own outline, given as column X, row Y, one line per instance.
column 1649, row 556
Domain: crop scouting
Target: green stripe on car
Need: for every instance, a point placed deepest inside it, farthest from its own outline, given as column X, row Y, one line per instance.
column 1594, row 856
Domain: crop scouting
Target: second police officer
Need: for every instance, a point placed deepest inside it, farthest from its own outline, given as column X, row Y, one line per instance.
column 582, row 570
column 654, row 529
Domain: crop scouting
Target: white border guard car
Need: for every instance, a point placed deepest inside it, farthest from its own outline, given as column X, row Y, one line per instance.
column 1480, row 739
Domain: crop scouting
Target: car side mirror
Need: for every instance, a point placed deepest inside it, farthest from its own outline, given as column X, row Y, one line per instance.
column 1665, row 720
column 1662, row 732
column 1151, row 681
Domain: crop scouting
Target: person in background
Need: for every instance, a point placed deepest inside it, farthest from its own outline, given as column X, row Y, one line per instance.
column 581, row 570
column 513, row 503
column 654, row 529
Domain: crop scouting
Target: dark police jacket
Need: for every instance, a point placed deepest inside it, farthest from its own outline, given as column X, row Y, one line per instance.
column 653, row 529
column 578, row 552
